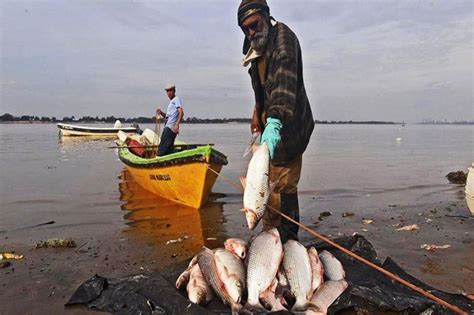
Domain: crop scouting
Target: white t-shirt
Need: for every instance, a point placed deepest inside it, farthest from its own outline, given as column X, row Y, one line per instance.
column 172, row 112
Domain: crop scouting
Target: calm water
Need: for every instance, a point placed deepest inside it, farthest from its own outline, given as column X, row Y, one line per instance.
column 83, row 187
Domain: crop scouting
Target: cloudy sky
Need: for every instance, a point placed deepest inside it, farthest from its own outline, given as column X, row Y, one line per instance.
column 363, row 60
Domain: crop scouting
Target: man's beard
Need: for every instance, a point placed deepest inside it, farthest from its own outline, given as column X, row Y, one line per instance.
column 259, row 42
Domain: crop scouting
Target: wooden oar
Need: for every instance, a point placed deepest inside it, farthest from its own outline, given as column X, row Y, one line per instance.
column 158, row 125
column 192, row 145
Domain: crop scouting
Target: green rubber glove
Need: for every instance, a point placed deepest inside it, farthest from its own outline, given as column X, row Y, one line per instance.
column 271, row 135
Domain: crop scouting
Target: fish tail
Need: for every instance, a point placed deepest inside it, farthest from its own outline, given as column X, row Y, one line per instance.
column 301, row 305
column 254, row 307
column 235, row 308
column 182, row 280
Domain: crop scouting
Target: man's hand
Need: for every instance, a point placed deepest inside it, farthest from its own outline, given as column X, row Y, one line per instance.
column 176, row 128
column 254, row 127
column 159, row 113
column 271, row 135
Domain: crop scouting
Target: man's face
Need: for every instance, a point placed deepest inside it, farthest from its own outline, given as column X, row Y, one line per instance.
column 170, row 93
column 256, row 29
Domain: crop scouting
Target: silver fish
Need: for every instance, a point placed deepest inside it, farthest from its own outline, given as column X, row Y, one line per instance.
column 207, row 263
column 232, row 272
column 199, row 291
column 236, row 246
column 264, row 258
column 317, row 269
column 298, row 272
column 183, row 278
column 333, row 269
column 325, row 296
column 256, row 186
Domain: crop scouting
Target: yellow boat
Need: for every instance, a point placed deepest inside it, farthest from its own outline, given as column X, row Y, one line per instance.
column 185, row 177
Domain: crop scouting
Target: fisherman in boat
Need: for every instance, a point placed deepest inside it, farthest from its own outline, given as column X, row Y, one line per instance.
column 174, row 115
column 282, row 110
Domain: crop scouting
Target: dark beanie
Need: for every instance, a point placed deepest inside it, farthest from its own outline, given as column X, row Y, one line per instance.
column 249, row 7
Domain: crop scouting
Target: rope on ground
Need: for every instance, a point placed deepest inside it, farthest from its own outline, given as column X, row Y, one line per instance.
column 355, row 256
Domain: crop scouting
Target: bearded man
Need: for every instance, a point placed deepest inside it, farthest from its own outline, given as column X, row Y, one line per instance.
column 282, row 110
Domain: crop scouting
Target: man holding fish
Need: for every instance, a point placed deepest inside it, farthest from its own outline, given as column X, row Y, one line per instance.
column 282, row 110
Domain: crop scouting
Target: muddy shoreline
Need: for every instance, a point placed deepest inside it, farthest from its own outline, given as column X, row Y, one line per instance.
column 44, row 280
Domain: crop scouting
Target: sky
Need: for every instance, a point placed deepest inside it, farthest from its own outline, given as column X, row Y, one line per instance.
column 362, row 60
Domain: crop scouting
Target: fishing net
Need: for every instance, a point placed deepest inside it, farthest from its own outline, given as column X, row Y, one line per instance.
column 369, row 291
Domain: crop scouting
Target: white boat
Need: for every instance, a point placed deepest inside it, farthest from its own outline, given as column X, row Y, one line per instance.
column 76, row 130
column 469, row 189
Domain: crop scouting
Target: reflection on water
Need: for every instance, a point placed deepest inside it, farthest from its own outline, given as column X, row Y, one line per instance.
column 68, row 143
column 86, row 149
column 154, row 221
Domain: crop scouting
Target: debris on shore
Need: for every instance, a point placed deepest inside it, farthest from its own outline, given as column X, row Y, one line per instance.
column 433, row 247
column 412, row 227
column 10, row 256
column 56, row 243
column 324, row 214
column 179, row 240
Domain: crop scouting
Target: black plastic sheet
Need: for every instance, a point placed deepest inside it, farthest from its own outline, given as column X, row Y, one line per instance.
column 372, row 292
column 139, row 294
column 369, row 291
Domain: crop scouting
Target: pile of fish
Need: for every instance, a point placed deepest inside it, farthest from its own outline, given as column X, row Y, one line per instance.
column 265, row 276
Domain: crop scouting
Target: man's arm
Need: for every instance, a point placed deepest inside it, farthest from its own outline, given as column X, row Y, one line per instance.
column 180, row 117
column 283, row 94
column 282, row 100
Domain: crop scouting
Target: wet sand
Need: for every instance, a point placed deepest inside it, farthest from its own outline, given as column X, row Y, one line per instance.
column 45, row 279
column 448, row 223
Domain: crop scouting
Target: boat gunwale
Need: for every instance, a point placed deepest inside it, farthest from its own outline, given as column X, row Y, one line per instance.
column 210, row 156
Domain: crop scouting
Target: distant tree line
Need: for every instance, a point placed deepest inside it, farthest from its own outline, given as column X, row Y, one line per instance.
column 194, row 120
column 10, row 117
column 112, row 119
column 351, row 122
column 445, row 122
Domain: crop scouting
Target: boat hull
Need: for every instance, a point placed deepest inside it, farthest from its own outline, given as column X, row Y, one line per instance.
column 188, row 184
column 182, row 178
column 75, row 131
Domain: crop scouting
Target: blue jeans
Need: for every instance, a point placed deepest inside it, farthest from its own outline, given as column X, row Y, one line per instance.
column 167, row 142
